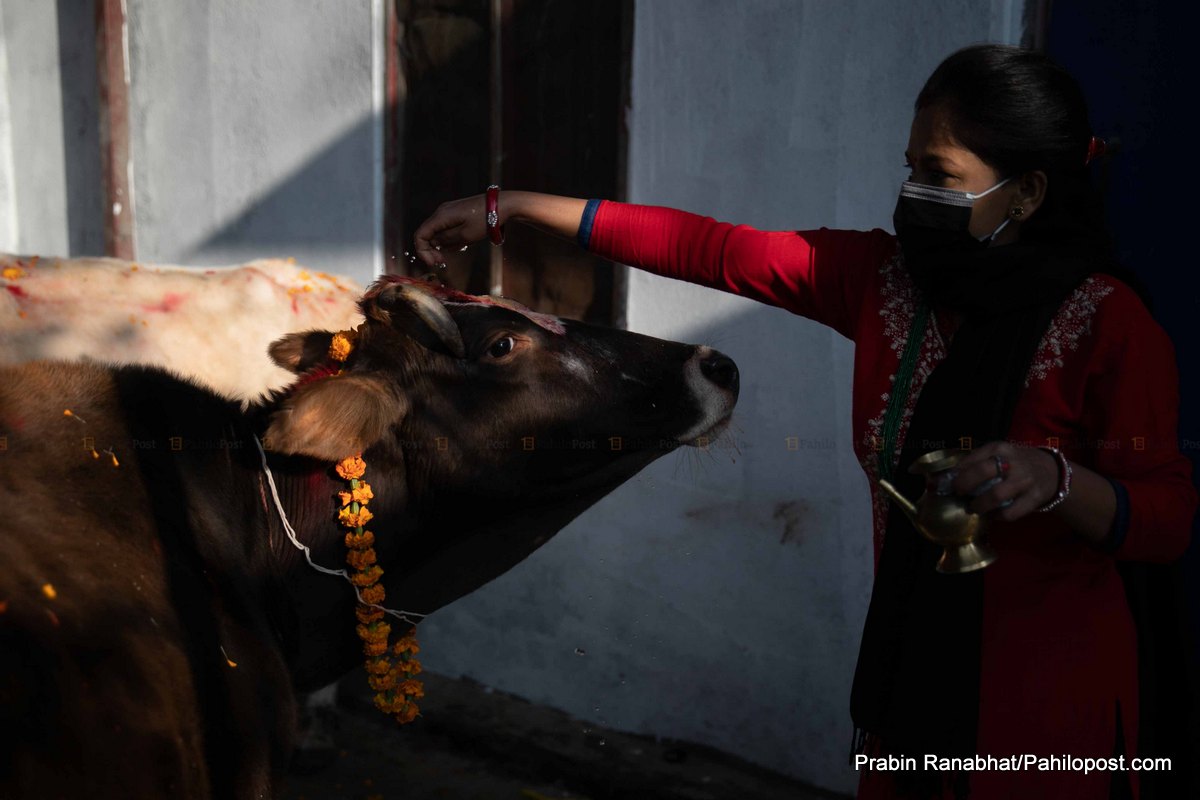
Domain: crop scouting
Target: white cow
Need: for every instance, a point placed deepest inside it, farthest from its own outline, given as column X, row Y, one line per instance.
column 211, row 324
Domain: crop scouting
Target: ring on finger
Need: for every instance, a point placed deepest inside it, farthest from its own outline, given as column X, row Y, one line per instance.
column 1002, row 466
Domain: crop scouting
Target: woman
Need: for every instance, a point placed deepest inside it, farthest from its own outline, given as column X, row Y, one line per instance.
column 995, row 319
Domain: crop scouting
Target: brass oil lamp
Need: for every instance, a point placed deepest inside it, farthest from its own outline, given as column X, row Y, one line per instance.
column 941, row 516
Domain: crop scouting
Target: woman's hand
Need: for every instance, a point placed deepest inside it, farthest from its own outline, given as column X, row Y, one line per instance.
column 459, row 223
column 455, row 224
column 1007, row 479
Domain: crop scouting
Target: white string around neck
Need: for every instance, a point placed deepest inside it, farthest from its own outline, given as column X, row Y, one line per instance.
column 406, row 616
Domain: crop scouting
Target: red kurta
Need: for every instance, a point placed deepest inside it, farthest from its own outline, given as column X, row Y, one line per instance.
column 1059, row 645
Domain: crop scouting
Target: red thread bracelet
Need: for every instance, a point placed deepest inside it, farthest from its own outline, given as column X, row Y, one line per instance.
column 494, row 229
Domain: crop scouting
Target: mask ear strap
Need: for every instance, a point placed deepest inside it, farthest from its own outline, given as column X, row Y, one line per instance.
column 991, row 236
column 986, row 192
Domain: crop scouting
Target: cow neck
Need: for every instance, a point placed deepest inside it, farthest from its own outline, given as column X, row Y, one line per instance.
column 311, row 606
column 318, row 633
column 308, row 490
column 306, row 496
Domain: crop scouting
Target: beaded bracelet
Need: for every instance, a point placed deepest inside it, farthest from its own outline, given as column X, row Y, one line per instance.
column 1064, row 478
column 494, row 228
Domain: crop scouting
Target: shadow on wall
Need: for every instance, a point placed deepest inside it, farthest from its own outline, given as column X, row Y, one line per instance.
column 323, row 204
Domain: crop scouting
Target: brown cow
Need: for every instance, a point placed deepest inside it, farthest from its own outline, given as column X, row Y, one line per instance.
column 154, row 617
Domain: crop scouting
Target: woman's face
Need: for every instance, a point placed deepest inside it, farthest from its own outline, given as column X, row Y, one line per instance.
column 937, row 159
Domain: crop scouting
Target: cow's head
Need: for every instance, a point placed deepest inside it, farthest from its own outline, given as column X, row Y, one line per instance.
column 504, row 423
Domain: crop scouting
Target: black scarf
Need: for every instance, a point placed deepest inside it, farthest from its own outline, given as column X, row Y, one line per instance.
column 916, row 686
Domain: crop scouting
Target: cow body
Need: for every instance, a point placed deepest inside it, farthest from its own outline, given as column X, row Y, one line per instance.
column 156, row 614
column 145, row 576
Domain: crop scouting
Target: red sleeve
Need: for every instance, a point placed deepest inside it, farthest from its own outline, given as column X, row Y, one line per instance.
column 821, row 275
column 1131, row 406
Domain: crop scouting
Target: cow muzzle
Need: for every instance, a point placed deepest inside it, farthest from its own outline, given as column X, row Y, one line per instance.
column 712, row 378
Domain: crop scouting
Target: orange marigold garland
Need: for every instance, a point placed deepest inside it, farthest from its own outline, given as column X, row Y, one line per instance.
column 390, row 676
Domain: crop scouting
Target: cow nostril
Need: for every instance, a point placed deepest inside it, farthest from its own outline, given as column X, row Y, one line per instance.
column 720, row 370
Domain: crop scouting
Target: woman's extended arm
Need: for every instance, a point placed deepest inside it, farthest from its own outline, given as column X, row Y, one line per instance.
column 821, row 274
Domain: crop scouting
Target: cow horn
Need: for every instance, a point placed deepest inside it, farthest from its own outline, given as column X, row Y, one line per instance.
column 435, row 316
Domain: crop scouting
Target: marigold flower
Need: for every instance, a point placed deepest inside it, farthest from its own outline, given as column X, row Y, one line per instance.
column 373, row 595
column 409, row 666
column 375, row 632
column 381, row 682
column 342, row 344
column 408, row 644
column 412, row 687
column 360, row 541
column 368, row 576
column 374, row 648
column 353, row 520
column 361, row 494
column 408, row 714
column 378, row 666
column 367, row 614
column 352, row 467
column 389, row 702
column 361, row 559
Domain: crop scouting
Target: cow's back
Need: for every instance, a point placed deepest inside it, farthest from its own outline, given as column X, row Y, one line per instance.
column 211, row 324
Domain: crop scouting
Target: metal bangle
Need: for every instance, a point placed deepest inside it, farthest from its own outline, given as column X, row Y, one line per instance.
column 1064, row 479
column 492, row 207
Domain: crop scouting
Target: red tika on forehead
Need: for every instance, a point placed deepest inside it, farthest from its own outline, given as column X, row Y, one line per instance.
column 450, row 296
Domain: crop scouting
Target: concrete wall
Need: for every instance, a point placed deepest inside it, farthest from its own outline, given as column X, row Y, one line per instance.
column 719, row 597
column 47, row 140
column 254, row 131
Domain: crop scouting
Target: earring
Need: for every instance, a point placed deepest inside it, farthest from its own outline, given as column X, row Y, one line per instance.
column 1017, row 212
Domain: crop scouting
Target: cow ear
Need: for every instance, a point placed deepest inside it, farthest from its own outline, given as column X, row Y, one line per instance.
column 334, row 418
column 300, row 352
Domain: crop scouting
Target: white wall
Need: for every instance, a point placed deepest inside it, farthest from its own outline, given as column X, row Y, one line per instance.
column 719, row 597
column 254, row 131
column 33, row 166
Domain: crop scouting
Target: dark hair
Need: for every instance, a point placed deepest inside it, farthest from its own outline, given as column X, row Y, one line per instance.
column 1019, row 111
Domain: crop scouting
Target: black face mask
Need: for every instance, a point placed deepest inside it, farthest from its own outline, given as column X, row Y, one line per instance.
column 930, row 219
column 932, row 225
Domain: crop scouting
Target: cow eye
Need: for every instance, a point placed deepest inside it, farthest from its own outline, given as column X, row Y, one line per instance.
column 501, row 347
